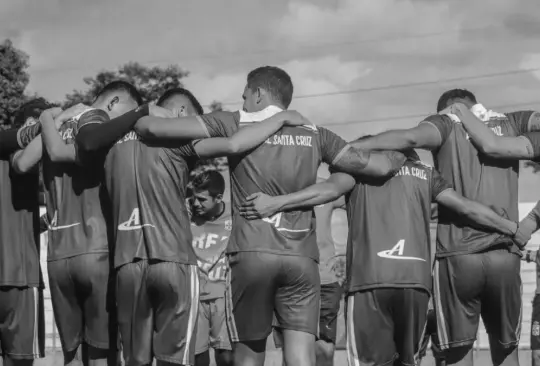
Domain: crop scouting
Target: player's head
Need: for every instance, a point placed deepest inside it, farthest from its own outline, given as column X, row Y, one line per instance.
column 117, row 98
column 181, row 100
column 456, row 96
column 267, row 85
column 207, row 189
column 30, row 111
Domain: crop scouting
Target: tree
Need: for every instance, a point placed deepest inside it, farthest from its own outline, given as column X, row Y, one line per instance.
column 14, row 79
column 151, row 82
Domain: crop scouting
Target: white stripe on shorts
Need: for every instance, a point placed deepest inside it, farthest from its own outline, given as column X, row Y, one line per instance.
column 352, row 352
column 193, row 312
column 440, row 320
column 35, row 338
column 229, row 317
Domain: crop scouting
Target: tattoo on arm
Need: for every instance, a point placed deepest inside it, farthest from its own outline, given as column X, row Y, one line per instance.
column 354, row 160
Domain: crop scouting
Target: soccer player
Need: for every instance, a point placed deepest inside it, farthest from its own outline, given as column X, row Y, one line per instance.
column 157, row 280
column 388, row 253
column 331, row 289
column 463, row 253
column 211, row 225
column 22, row 326
column 273, row 262
column 78, row 251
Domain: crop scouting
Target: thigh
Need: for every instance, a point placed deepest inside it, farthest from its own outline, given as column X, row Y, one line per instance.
column 410, row 309
column 250, row 294
column 503, row 297
column 202, row 343
column 370, row 328
column 297, row 300
column 91, row 276
column 458, row 283
column 330, row 301
column 219, row 337
column 68, row 313
column 22, row 324
column 174, row 294
column 535, row 323
column 134, row 313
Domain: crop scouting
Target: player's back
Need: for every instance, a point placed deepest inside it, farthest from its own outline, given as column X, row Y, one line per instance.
column 287, row 162
column 75, row 204
column 493, row 182
column 147, row 188
column 389, row 238
column 19, row 227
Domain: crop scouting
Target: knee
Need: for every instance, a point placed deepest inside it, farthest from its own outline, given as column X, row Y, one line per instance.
column 324, row 353
column 536, row 357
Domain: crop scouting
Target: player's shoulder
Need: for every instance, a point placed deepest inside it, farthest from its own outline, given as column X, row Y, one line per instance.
column 92, row 115
column 438, row 119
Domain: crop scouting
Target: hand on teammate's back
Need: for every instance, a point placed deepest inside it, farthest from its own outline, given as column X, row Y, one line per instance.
column 157, row 111
column 522, row 237
column 52, row 113
column 457, row 109
column 294, row 118
column 69, row 113
column 259, row 206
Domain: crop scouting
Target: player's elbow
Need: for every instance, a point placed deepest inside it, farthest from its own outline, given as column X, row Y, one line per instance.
column 21, row 166
column 411, row 140
column 144, row 129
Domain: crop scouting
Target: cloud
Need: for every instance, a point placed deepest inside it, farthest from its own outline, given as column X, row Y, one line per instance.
column 531, row 61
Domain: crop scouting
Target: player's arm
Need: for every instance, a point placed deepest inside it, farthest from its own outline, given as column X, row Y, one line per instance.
column 427, row 135
column 504, row 147
column 247, row 138
column 180, row 128
column 530, row 223
column 340, row 203
column 18, row 138
column 95, row 135
column 260, row 205
column 24, row 160
column 57, row 149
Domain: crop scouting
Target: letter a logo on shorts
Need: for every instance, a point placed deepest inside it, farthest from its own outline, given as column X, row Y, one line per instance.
column 134, row 222
column 397, row 253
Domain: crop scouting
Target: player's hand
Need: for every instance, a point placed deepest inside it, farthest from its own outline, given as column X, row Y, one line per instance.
column 157, row 111
column 521, row 238
column 51, row 113
column 69, row 113
column 259, row 206
column 293, row 118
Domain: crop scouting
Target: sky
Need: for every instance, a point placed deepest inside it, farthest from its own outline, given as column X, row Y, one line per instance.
column 352, row 61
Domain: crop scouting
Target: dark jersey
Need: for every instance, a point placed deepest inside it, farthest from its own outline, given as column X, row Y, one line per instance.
column 389, row 233
column 147, row 189
column 19, row 227
column 75, row 200
column 287, row 162
column 493, row 182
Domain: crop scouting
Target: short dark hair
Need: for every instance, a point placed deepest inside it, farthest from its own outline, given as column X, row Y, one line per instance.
column 454, row 94
column 32, row 108
column 211, row 181
column 275, row 81
column 124, row 86
column 181, row 91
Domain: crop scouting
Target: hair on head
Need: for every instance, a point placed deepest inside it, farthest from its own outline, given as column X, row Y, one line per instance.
column 211, row 181
column 275, row 81
column 121, row 86
column 181, row 91
column 454, row 94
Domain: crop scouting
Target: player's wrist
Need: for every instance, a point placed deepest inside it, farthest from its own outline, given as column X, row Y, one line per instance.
column 528, row 257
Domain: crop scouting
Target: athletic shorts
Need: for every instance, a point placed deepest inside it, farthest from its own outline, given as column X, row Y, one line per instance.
column 385, row 325
column 486, row 284
column 429, row 334
column 158, row 305
column 81, row 300
column 264, row 285
column 211, row 326
column 22, row 323
column 535, row 323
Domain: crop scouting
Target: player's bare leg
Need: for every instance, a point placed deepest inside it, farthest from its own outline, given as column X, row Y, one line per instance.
column 223, row 357
column 503, row 356
column 324, row 353
column 251, row 353
column 298, row 348
column 203, row 359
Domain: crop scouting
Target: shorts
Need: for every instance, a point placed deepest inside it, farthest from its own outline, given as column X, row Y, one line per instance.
column 385, row 325
column 535, row 323
column 211, row 326
column 328, row 314
column 22, row 323
column 486, row 284
column 429, row 334
column 158, row 305
column 264, row 285
column 81, row 300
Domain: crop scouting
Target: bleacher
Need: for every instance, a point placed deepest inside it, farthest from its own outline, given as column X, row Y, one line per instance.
column 528, row 275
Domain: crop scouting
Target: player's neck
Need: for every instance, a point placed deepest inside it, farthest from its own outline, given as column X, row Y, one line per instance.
column 216, row 213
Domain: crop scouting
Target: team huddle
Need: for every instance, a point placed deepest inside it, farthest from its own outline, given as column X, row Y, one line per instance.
column 143, row 262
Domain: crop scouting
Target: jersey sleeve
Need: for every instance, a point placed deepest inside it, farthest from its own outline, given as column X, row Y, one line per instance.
column 442, row 123
column 92, row 116
column 524, row 121
column 186, row 150
column 438, row 184
column 332, row 146
column 220, row 123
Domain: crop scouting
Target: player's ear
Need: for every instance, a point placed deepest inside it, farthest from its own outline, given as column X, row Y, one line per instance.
column 259, row 95
column 112, row 102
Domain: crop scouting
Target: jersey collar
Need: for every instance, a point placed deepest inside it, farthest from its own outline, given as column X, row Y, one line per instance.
column 483, row 114
column 259, row 116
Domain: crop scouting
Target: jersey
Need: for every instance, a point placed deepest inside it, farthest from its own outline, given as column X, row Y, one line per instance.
column 75, row 199
column 493, row 182
column 19, row 227
column 210, row 240
column 285, row 163
column 146, row 186
column 325, row 242
column 389, row 229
